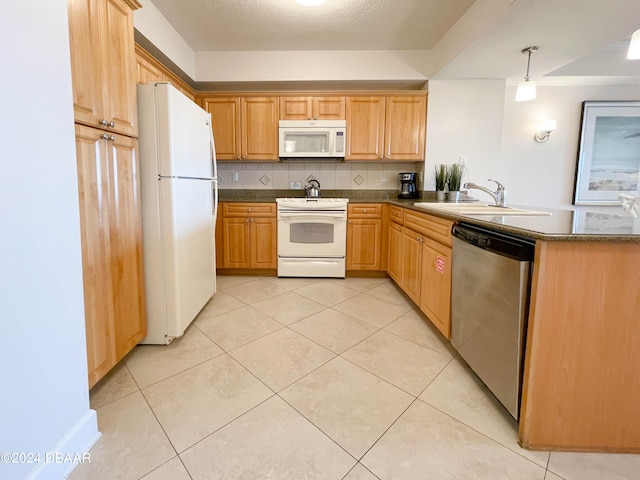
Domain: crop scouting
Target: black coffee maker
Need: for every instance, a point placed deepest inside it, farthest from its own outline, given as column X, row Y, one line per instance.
column 407, row 185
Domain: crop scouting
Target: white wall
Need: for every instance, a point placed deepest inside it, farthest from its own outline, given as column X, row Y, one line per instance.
column 465, row 119
column 312, row 66
column 44, row 401
column 543, row 173
column 154, row 26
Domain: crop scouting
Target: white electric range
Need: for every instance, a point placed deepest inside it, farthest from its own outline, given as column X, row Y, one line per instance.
column 312, row 237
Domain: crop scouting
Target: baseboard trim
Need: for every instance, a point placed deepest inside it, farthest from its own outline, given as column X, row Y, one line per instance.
column 77, row 442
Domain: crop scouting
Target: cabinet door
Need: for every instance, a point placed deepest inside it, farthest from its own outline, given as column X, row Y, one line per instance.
column 328, row 108
column 93, row 190
column 146, row 72
column 263, row 242
column 405, row 127
column 236, row 251
column 435, row 297
column 119, row 67
column 125, row 236
column 295, row 108
column 365, row 128
column 364, row 238
column 259, row 121
column 86, row 59
column 395, row 252
column 225, row 118
column 411, row 265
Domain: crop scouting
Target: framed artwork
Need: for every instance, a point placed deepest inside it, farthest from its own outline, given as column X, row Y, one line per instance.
column 608, row 154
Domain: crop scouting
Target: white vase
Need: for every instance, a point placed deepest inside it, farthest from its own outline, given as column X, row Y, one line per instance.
column 440, row 195
column 453, row 196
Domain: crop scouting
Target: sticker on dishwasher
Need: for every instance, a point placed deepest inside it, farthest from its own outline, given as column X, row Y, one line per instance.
column 440, row 264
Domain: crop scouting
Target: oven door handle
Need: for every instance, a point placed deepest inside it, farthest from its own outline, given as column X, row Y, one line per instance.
column 312, row 215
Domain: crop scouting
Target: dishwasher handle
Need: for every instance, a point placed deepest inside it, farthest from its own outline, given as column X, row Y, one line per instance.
column 516, row 248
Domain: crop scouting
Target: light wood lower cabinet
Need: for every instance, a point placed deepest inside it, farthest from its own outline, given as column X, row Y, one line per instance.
column 411, row 264
column 248, row 235
column 420, row 262
column 364, row 236
column 435, row 294
column 111, row 235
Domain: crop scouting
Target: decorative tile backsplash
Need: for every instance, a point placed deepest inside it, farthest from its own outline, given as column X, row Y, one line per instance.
column 331, row 175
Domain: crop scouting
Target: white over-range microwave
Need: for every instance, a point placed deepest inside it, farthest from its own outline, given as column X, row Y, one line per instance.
column 312, row 138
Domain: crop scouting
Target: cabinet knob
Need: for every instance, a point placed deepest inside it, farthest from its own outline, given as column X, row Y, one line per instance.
column 112, row 124
column 364, row 211
column 237, row 157
column 380, row 157
column 108, row 137
column 350, row 221
column 103, row 122
column 248, row 209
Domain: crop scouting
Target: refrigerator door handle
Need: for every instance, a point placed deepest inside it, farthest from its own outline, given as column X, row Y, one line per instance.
column 216, row 178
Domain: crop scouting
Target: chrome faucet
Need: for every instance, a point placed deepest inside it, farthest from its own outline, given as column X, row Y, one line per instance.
column 499, row 196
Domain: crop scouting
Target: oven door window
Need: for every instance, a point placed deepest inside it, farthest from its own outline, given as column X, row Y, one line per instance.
column 311, row 233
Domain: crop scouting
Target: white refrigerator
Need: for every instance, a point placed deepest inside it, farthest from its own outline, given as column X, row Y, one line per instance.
column 179, row 207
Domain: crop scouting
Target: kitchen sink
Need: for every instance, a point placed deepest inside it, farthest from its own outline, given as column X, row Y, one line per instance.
column 477, row 209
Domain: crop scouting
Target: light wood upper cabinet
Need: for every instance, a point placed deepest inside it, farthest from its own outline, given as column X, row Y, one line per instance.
column 111, row 235
column 365, row 128
column 244, row 128
column 147, row 72
column 405, row 128
column 312, row 108
column 386, row 128
column 150, row 70
column 225, row 118
column 103, row 64
column 259, row 135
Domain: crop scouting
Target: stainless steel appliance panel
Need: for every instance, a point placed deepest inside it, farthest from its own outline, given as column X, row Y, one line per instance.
column 489, row 305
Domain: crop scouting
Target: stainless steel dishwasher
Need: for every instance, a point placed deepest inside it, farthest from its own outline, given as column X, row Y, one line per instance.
column 491, row 276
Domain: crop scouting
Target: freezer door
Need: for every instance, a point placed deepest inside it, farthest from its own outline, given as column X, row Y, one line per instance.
column 188, row 228
column 183, row 133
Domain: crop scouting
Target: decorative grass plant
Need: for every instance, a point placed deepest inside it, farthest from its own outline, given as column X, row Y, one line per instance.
column 454, row 174
column 441, row 176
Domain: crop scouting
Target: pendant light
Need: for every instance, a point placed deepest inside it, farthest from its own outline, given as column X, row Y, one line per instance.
column 527, row 90
column 634, row 46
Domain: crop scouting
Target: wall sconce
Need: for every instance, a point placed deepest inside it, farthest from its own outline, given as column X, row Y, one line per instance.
column 546, row 129
column 634, row 46
column 527, row 90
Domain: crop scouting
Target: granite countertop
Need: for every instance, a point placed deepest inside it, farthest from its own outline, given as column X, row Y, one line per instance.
column 574, row 225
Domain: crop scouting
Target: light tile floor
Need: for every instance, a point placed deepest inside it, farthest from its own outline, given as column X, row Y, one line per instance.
column 313, row 379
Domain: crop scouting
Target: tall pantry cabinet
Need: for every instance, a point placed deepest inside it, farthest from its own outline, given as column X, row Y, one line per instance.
column 104, row 94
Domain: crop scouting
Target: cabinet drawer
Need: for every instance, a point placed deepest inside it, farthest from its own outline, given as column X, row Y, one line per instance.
column 232, row 209
column 436, row 228
column 364, row 210
column 396, row 214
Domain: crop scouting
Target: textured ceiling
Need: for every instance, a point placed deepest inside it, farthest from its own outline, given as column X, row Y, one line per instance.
column 263, row 25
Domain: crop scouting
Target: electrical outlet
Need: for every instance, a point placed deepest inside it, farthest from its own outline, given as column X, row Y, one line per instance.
column 295, row 185
column 420, row 177
column 235, row 177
